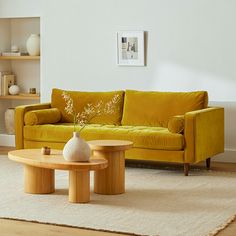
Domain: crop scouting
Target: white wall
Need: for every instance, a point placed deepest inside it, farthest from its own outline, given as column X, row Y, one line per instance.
column 190, row 46
column 5, row 37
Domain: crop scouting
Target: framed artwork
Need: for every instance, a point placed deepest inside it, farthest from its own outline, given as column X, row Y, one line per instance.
column 130, row 48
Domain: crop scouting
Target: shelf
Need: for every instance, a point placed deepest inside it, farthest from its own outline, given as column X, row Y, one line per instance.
column 19, row 57
column 20, row 97
column 26, row 68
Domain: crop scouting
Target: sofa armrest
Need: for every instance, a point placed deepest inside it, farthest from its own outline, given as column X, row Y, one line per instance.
column 19, row 121
column 204, row 134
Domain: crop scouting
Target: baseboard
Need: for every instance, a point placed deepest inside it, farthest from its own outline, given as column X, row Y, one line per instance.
column 228, row 156
column 7, row 140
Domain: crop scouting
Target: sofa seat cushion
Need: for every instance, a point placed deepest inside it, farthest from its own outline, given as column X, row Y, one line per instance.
column 142, row 136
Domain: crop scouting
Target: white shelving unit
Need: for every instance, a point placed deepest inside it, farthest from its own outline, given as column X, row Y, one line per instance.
column 15, row 31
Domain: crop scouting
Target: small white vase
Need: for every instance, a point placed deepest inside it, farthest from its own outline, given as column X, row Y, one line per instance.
column 76, row 149
column 10, row 121
column 14, row 90
column 33, row 45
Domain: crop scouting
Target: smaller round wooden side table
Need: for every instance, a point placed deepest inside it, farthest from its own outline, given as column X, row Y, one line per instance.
column 112, row 179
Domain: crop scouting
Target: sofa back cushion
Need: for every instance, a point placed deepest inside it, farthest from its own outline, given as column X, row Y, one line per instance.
column 156, row 108
column 81, row 99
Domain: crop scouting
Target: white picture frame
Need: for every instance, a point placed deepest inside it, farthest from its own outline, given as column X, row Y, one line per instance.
column 130, row 48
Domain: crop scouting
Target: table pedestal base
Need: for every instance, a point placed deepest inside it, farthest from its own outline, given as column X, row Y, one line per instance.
column 112, row 179
column 79, row 186
column 38, row 180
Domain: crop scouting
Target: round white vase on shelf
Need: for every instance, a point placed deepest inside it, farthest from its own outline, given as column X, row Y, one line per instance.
column 76, row 149
column 14, row 90
column 10, row 120
column 33, row 45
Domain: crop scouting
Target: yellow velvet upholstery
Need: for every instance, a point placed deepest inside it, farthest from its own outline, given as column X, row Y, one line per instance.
column 176, row 124
column 204, row 134
column 81, row 99
column 155, row 155
column 19, row 121
column 44, row 116
column 132, row 154
column 142, row 136
column 156, row 108
column 152, row 120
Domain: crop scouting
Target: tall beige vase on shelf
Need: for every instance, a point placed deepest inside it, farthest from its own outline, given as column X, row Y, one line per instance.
column 33, row 45
column 10, row 120
column 76, row 149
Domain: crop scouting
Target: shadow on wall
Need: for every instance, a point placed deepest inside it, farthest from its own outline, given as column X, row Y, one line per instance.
column 230, row 128
column 221, row 92
column 174, row 77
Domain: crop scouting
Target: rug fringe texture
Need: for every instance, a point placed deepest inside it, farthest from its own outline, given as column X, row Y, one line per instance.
column 223, row 226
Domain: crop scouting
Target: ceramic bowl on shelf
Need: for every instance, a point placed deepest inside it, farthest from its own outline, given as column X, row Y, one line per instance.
column 14, row 48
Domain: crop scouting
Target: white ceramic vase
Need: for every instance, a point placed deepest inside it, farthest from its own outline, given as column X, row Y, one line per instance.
column 33, row 45
column 14, row 90
column 76, row 149
column 10, row 121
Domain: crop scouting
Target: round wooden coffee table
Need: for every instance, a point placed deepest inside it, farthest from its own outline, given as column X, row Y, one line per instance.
column 112, row 179
column 39, row 172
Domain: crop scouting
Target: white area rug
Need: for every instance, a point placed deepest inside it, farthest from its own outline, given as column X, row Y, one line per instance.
column 156, row 202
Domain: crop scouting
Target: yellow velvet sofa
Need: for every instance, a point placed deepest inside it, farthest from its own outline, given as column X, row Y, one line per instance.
column 174, row 127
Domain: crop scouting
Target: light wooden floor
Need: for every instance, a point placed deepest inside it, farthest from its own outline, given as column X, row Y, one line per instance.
column 22, row 228
column 5, row 150
column 19, row 228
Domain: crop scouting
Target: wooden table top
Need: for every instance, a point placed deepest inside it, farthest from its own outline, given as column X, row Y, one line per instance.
column 55, row 160
column 110, row 145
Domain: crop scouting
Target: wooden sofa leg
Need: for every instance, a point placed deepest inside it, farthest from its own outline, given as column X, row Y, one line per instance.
column 186, row 169
column 208, row 163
